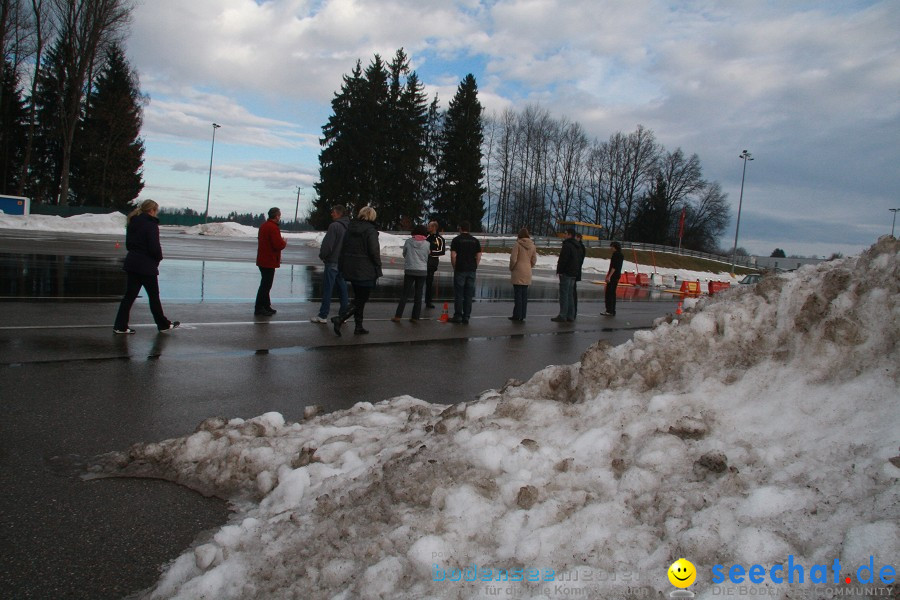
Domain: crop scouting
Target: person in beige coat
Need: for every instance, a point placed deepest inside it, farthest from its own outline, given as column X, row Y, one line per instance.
column 521, row 260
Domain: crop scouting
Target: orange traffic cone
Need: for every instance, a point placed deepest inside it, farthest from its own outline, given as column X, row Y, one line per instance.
column 117, row 245
column 678, row 310
column 444, row 315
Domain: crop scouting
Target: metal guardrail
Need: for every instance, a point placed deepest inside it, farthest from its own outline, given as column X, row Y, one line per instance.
column 554, row 242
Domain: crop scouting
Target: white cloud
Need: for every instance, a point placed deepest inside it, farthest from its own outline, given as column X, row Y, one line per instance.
column 810, row 88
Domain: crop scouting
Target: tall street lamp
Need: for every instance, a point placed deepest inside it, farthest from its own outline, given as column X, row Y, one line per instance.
column 893, row 210
column 746, row 156
column 209, row 181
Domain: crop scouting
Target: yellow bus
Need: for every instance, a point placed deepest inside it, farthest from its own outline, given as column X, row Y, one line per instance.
column 588, row 231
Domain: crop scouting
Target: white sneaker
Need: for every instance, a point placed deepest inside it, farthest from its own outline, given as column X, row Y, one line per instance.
column 318, row 319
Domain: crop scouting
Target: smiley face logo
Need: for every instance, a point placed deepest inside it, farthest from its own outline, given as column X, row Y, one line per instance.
column 682, row 573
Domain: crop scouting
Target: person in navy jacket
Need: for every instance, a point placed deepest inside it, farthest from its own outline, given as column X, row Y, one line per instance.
column 142, row 267
column 268, row 258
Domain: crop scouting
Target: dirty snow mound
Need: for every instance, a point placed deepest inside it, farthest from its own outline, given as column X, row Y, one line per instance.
column 761, row 424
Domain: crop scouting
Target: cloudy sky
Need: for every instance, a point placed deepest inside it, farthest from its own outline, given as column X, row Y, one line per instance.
column 811, row 89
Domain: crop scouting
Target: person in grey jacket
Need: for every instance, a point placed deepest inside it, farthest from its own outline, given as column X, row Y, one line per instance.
column 330, row 254
column 415, row 269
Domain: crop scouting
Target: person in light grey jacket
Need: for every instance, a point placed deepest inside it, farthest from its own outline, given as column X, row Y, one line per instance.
column 415, row 269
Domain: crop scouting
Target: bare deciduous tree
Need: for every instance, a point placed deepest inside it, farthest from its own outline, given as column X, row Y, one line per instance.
column 86, row 27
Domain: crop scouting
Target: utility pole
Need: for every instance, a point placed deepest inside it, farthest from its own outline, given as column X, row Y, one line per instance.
column 297, row 208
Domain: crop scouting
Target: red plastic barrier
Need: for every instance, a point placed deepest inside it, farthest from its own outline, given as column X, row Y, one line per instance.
column 718, row 286
column 643, row 279
column 629, row 278
column 690, row 287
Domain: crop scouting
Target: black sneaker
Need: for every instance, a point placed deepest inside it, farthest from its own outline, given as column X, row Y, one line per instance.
column 558, row 320
column 456, row 320
column 172, row 325
column 125, row 331
column 607, row 314
column 264, row 312
column 336, row 321
column 429, row 306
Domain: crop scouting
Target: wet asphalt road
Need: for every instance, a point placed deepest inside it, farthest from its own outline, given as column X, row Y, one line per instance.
column 72, row 390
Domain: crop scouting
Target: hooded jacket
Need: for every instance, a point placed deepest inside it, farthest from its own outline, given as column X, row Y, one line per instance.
column 415, row 253
column 142, row 242
column 360, row 259
column 522, row 259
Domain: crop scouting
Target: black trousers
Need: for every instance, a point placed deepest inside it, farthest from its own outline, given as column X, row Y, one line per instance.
column 267, row 276
column 411, row 282
column 357, row 306
column 150, row 283
column 611, row 294
column 520, row 301
column 429, row 280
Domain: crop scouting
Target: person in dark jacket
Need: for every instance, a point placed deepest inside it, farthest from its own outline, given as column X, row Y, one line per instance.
column 268, row 258
column 612, row 279
column 329, row 254
column 568, row 268
column 360, row 264
column 142, row 267
column 465, row 256
column 438, row 249
column 583, row 250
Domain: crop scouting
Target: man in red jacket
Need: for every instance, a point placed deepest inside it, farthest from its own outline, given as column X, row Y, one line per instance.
column 268, row 258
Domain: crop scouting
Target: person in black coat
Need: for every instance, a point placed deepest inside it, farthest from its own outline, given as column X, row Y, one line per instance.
column 612, row 279
column 360, row 264
column 142, row 267
column 568, row 268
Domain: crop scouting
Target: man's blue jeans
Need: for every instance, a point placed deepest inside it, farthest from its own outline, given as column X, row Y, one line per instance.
column 567, row 297
column 331, row 277
column 463, row 293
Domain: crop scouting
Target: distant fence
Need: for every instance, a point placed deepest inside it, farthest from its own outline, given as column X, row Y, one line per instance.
column 555, row 242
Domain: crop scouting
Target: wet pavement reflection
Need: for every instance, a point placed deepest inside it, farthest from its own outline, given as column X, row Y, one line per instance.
column 51, row 277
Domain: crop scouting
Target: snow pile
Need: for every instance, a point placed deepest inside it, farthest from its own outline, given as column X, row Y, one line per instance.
column 223, row 229
column 762, row 424
column 113, row 222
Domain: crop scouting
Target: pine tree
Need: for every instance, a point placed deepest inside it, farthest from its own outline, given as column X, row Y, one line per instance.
column 107, row 164
column 651, row 223
column 342, row 156
column 460, row 172
column 401, row 202
column 42, row 182
column 373, row 146
column 13, row 120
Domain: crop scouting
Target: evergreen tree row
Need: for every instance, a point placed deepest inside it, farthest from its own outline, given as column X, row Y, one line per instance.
column 74, row 136
column 385, row 146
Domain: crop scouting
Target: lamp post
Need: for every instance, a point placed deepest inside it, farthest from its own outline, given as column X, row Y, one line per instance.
column 893, row 210
column 209, row 181
column 745, row 156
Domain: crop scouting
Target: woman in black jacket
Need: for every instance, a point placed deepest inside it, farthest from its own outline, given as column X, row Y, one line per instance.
column 360, row 264
column 142, row 266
